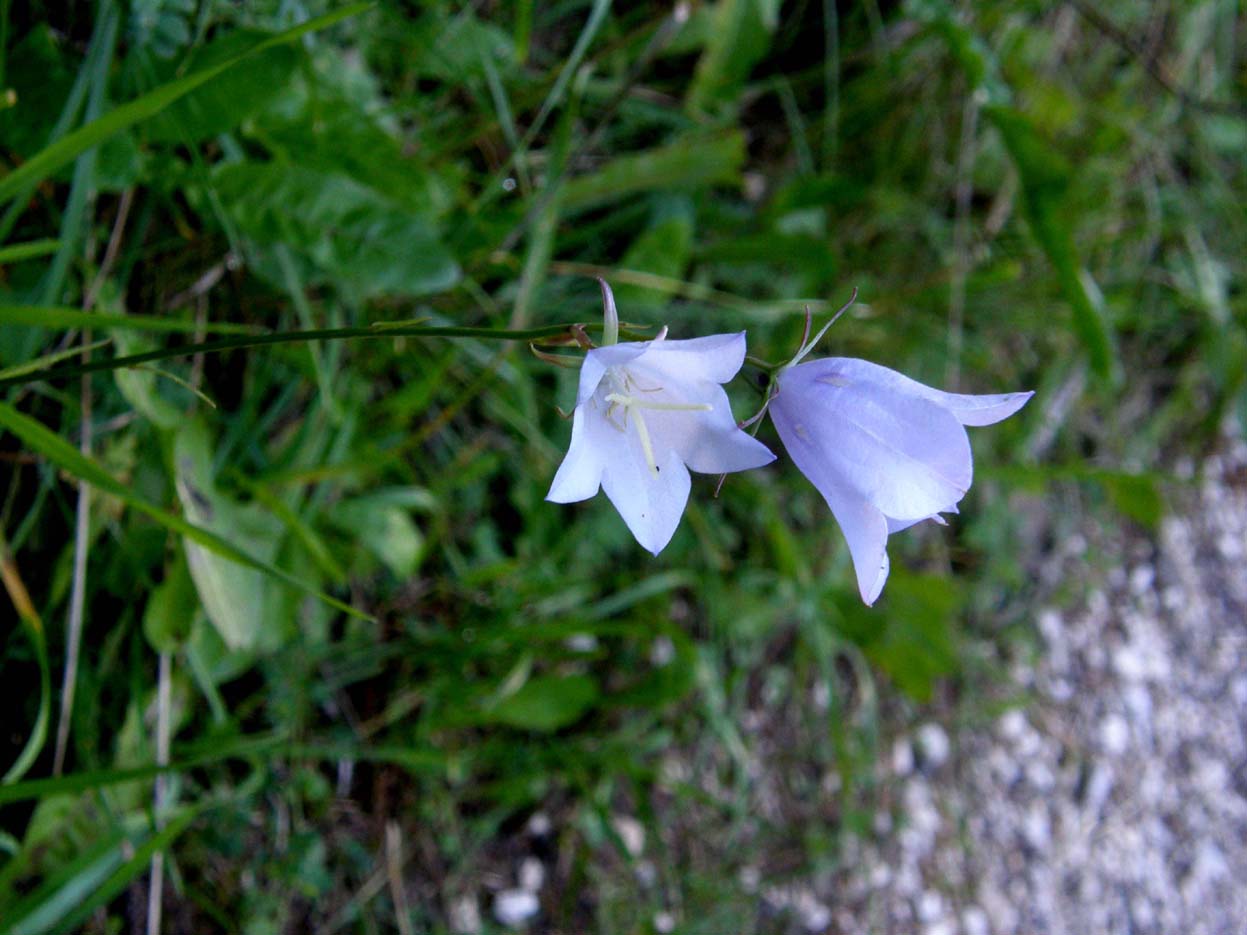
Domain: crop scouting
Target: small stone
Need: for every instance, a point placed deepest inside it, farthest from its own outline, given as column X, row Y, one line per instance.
column 1141, row 579
column 930, row 906
column 661, row 652
column 532, row 874
column 539, row 824
column 1129, row 664
column 1115, row 734
column 974, row 921
column 750, row 878
column 902, row 757
column 934, row 742
column 1012, row 724
column 1037, row 828
column 815, row 917
column 465, row 916
column 515, row 907
column 631, row 832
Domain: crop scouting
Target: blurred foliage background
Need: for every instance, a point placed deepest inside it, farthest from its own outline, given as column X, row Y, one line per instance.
column 1026, row 195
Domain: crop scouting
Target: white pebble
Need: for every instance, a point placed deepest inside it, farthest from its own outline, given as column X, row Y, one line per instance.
column 514, row 908
column 532, row 874
column 902, row 757
column 1115, row 734
column 631, row 832
column 661, row 652
column 974, row 921
column 582, row 642
column 934, row 743
column 750, row 878
column 815, row 916
column 1012, row 724
column 465, row 916
column 930, row 906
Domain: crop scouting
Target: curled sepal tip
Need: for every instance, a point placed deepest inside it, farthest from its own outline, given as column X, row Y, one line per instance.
column 610, row 317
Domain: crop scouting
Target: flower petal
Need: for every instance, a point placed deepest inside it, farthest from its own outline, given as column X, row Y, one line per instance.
column 968, row 409
column 866, row 531
column 580, row 474
column 708, row 441
column 716, row 357
column 601, row 359
column 902, row 453
column 650, row 505
column 865, row 528
column 896, row 525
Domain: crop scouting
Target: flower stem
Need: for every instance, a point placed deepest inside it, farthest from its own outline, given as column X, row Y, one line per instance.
column 217, row 345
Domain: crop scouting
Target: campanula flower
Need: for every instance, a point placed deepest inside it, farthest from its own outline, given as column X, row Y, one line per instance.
column 885, row 451
column 646, row 414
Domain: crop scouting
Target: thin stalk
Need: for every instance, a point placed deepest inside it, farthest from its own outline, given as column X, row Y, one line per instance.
column 155, row 892
column 394, row 873
column 84, row 178
column 77, row 596
column 822, row 331
column 294, row 337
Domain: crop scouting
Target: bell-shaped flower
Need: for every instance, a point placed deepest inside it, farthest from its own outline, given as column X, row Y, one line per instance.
column 885, row 451
column 647, row 413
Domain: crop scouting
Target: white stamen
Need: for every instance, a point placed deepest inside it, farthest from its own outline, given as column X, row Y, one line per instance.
column 632, row 406
column 643, row 434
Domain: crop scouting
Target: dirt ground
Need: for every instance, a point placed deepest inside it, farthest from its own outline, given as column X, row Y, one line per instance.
column 1116, row 800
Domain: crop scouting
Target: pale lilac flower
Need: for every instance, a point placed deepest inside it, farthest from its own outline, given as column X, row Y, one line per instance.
column 647, row 413
column 885, row 451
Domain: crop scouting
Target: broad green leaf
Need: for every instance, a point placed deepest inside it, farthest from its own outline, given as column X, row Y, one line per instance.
column 662, row 249
column 332, row 135
column 1136, row 496
column 452, row 45
column 245, row 89
column 546, row 703
column 342, row 231
column 690, row 162
column 57, row 450
column 170, row 610
column 384, row 528
column 737, row 40
column 916, row 641
column 67, row 148
column 238, row 600
column 40, row 74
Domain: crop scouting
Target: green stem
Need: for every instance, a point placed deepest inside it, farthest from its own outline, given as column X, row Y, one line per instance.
column 291, row 337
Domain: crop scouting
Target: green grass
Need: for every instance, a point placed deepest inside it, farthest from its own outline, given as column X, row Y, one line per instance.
column 283, row 268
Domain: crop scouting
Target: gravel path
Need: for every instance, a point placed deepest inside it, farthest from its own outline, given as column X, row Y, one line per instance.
column 1117, row 800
